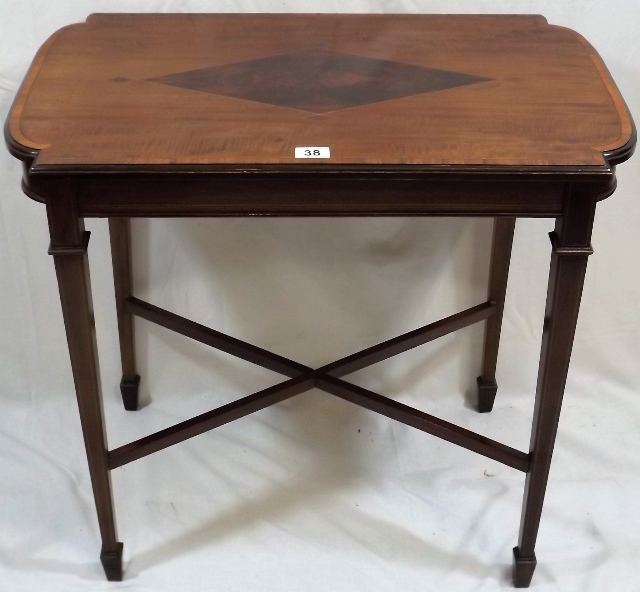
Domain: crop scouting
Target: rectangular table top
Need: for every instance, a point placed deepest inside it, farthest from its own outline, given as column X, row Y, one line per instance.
column 385, row 90
column 158, row 89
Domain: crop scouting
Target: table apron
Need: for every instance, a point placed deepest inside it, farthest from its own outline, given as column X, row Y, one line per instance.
column 194, row 195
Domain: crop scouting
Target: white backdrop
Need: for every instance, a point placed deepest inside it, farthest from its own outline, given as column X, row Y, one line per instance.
column 316, row 494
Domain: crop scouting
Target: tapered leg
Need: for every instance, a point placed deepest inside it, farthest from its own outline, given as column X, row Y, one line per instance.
column 571, row 249
column 120, row 235
column 68, row 247
column 498, row 275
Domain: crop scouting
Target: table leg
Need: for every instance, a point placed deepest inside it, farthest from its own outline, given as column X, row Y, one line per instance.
column 120, row 235
column 571, row 249
column 498, row 275
column 68, row 247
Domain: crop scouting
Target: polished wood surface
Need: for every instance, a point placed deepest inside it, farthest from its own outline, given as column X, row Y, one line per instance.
column 120, row 239
column 68, row 247
column 141, row 89
column 326, row 378
column 503, row 229
column 199, row 115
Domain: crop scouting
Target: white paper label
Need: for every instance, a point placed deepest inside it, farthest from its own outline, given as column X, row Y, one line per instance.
column 313, row 152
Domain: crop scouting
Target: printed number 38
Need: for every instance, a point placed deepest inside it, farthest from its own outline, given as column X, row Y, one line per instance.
column 312, row 152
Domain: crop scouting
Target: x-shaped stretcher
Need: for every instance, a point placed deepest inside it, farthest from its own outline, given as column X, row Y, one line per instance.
column 303, row 378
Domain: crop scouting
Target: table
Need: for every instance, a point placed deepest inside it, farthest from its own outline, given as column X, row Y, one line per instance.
column 132, row 115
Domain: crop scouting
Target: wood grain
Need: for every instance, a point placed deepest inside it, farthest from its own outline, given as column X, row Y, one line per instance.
column 198, row 115
column 543, row 95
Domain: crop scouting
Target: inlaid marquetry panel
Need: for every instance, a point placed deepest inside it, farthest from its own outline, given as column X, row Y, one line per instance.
column 318, row 80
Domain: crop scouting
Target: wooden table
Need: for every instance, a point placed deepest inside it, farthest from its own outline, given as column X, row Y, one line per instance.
column 319, row 115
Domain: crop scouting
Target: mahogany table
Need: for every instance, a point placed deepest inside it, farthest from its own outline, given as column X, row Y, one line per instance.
column 132, row 115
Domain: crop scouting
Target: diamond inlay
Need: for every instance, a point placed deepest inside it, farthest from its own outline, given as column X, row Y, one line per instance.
column 318, row 80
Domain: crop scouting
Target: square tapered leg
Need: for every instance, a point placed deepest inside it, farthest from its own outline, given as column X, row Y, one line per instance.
column 120, row 236
column 69, row 244
column 503, row 229
column 570, row 251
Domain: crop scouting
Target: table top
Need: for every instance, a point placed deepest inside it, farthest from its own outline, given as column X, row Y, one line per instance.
column 140, row 90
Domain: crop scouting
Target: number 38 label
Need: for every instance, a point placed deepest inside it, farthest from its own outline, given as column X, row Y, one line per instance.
column 313, row 152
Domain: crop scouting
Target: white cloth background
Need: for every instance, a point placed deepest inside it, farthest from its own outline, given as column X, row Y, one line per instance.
column 315, row 494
